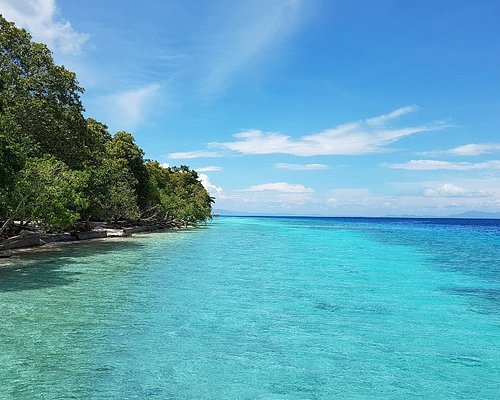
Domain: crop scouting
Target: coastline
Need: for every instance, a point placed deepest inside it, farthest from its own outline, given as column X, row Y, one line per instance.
column 35, row 242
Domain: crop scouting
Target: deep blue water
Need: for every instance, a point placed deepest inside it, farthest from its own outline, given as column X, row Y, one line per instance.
column 259, row 308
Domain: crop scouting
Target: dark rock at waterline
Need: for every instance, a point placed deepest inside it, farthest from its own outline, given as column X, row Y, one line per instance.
column 6, row 253
column 97, row 234
column 21, row 241
column 63, row 237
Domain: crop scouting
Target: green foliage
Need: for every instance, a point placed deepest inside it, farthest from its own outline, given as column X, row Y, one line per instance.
column 47, row 192
column 41, row 98
column 14, row 149
column 111, row 194
column 122, row 147
column 56, row 167
column 97, row 137
column 111, row 185
column 178, row 193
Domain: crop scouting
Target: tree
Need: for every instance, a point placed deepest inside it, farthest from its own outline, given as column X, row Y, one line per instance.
column 178, row 193
column 191, row 202
column 41, row 98
column 47, row 192
column 14, row 149
column 122, row 147
column 57, row 167
column 97, row 137
column 110, row 192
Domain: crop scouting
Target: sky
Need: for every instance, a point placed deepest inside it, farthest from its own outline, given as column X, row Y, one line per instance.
column 299, row 107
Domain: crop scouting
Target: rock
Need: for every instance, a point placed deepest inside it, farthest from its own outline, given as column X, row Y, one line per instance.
column 22, row 241
column 6, row 253
column 59, row 237
column 138, row 229
column 97, row 234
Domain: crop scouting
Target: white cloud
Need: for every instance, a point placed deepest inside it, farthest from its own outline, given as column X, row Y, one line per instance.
column 440, row 199
column 251, row 30
column 448, row 189
column 429, row 165
column 452, row 190
column 127, row 109
column 211, row 188
column 165, row 165
column 132, row 104
column 353, row 138
column 473, row 149
column 411, row 199
column 194, row 154
column 383, row 119
column 349, row 197
column 211, row 168
column 301, row 167
column 282, row 187
column 43, row 20
column 265, row 201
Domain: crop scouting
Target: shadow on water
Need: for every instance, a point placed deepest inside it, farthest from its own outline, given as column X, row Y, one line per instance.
column 46, row 268
column 461, row 246
column 490, row 298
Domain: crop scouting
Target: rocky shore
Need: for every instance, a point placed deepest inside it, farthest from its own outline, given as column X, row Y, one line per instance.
column 31, row 239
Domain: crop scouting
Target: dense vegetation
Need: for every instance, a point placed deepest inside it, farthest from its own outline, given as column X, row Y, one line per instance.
column 58, row 168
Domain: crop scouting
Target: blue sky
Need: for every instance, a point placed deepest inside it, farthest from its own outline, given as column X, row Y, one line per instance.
column 296, row 107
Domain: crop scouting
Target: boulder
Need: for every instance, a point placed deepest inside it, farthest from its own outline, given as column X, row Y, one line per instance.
column 20, row 242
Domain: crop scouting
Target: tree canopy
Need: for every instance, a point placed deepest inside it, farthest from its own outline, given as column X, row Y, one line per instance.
column 58, row 167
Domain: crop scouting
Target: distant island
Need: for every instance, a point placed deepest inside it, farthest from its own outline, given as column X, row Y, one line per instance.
column 61, row 171
column 477, row 214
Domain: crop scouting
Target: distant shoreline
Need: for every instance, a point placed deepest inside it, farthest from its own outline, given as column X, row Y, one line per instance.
column 395, row 217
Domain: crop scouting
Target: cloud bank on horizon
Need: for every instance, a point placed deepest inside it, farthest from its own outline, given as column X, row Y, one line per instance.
column 316, row 81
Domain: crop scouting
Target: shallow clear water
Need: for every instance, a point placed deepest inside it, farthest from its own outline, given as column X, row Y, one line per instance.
column 259, row 308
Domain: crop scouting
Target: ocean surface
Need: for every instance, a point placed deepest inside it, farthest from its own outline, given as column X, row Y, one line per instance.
column 259, row 308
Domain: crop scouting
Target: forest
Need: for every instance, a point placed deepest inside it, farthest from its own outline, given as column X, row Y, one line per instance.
column 61, row 170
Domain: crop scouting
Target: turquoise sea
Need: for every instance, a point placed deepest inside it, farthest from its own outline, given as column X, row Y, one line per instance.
column 259, row 308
